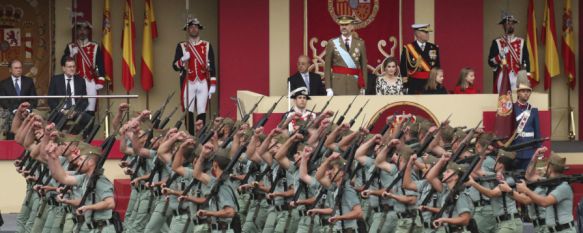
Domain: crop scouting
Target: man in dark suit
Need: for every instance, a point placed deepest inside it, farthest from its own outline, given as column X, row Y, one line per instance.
column 303, row 78
column 68, row 84
column 16, row 85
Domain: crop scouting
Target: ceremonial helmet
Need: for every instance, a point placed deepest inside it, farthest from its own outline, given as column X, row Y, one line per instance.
column 192, row 21
column 506, row 17
column 424, row 27
column 522, row 82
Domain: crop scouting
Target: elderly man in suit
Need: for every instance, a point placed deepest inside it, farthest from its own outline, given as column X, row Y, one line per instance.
column 345, row 68
column 16, row 85
column 68, row 84
column 304, row 78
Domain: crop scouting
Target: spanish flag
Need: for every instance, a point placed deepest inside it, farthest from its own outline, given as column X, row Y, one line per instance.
column 548, row 39
column 150, row 33
column 567, row 52
column 532, row 44
column 106, row 44
column 128, row 68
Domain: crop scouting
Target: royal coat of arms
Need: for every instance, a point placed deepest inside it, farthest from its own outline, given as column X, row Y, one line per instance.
column 364, row 11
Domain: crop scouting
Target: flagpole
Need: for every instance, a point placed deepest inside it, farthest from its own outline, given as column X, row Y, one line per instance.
column 186, row 86
column 571, row 123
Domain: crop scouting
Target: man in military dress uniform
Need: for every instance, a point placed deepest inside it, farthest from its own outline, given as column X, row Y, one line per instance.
column 510, row 51
column 418, row 58
column 301, row 97
column 196, row 62
column 526, row 121
column 89, row 59
column 345, row 68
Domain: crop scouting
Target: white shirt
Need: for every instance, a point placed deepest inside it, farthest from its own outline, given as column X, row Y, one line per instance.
column 421, row 45
column 17, row 80
column 347, row 38
column 306, row 77
column 72, row 86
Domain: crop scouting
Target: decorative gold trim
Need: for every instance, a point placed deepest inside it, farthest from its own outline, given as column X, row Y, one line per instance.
column 360, row 23
column 399, row 103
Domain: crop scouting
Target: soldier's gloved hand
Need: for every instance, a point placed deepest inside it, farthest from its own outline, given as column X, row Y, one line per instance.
column 212, row 90
column 98, row 87
column 362, row 92
column 74, row 51
column 329, row 92
column 185, row 57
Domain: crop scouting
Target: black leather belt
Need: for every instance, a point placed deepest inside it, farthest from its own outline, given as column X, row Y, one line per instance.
column 456, row 228
column 219, row 226
column 383, row 208
column 405, row 215
column 99, row 224
column 562, row 227
column 506, row 217
column 140, row 187
column 349, row 230
column 179, row 212
column 282, row 207
column 200, row 221
column 539, row 222
column 257, row 196
column 482, row 203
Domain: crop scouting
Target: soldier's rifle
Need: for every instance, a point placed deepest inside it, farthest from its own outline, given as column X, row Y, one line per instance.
column 226, row 173
column 180, row 121
column 341, row 118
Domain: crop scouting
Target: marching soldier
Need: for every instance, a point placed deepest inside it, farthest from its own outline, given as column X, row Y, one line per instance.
column 510, row 51
column 558, row 199
column 89, row 59
column 418, row 58
column 345, row 61
column 195, row 60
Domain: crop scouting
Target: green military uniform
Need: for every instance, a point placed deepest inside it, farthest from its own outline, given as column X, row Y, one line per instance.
column 384, row 217
column 141, row 213
column 347, row 203
column 483, row 213
column 506, row 214
column 344, row 66
column 25, row 209
column 157, row 222
column 406, row 213
column 425, row 189
column 537, row 214
column 199, row 224
column 180, row 218
column 303, row 221
column 279, row 211
column 559, row 217
column 43, row 210
column 463, row 204
column 225, row 197
column 97, row 221
column 258, row 207
column 56, row 214
column 244, row 198
column 35, row 202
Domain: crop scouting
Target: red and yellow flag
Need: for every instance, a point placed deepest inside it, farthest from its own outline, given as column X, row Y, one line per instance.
column 107, row 44
column 548, row 39
column 567, row 52
column 128, row 68
column 150, row 34
column 532, row 44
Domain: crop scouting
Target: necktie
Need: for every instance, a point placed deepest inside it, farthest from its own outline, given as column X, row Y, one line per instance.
column 422, row 46
column 16, row 86
column 307, row 81
column 346, row 42
column 68, row 92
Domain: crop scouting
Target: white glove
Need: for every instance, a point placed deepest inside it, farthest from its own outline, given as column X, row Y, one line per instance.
column 362, row 92
column 98, row 87
column 329, row 92
column 212, row 90
column 74, row 51
column 185, row 57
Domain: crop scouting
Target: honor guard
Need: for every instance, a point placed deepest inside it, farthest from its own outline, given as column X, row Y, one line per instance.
column 526, row 121
column 195, row 60
column 89, row 59
column 345, row 61
column 510, row 51
column 418, row 58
